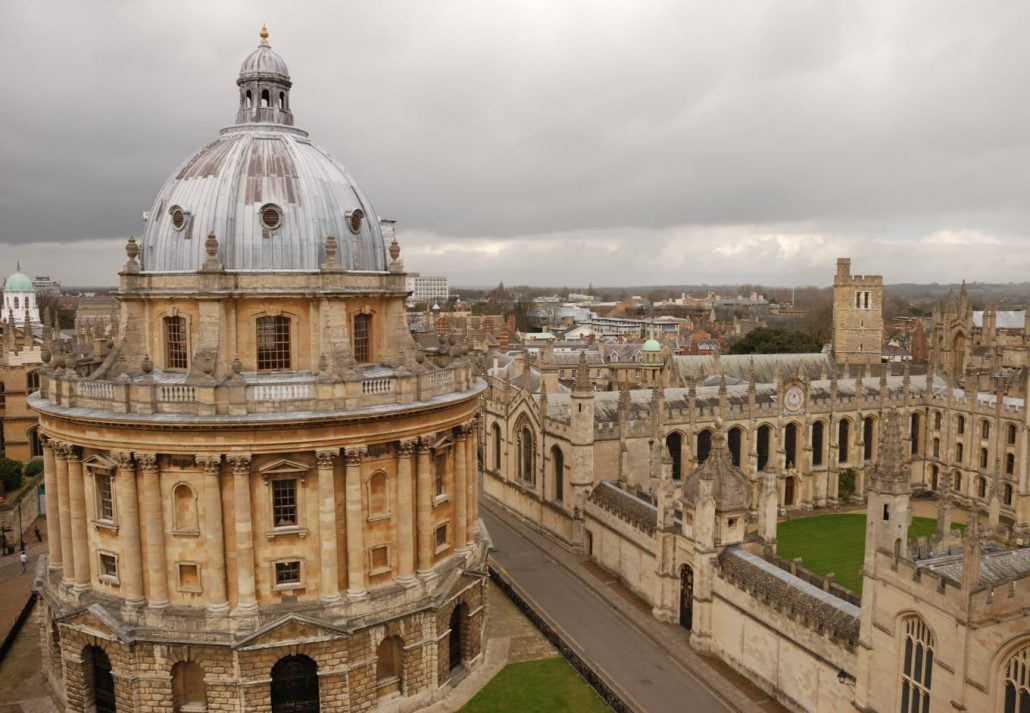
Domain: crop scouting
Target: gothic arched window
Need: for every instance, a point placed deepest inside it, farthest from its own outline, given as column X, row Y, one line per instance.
column 733, row 439
column 674, row 443
column 497, row 447
column 817, row 443
column 762, row 446
column 1017, row 682
column 916, row 666
column 558, row 461
column 844, row 441
column 704, row 446
column 790, row 445
column 868, row 434
column 526, row 450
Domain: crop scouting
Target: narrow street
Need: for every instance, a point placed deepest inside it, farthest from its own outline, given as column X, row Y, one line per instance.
column 654, row 681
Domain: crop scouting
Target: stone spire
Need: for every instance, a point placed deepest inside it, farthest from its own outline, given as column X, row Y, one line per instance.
column 582, row 383
column 889, row 475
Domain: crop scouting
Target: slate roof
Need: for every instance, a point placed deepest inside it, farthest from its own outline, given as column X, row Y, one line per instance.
column 995, row 567
column 626, row 506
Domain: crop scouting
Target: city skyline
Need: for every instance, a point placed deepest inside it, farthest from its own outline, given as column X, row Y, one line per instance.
column 530, row 144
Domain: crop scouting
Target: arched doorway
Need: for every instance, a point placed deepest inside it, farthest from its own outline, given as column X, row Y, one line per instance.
column 454, row 638
column 295, row 685
column 687, row 597
column 788, row 492
column 103, row 681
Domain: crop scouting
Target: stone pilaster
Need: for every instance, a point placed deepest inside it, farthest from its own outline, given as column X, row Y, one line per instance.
column 357, row 581
column 153, row 516
column 131, row 563
column 80, row 533
column 424, row 507
column 330, row 558
column 53, row 507
column 246, row 599
column 61, row 451
column 472, row 478
column 405, row 514
column 214, row 536
column 460, row 487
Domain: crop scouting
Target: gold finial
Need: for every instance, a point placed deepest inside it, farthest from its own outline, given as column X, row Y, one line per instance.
column 264, row 33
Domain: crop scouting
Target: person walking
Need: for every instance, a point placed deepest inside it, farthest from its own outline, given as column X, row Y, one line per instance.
column 39, row 535
column 24, row 558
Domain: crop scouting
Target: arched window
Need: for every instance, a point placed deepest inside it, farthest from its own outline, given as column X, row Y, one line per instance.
column 936, row 447
column 378, row 500
column 733, row 439
column 32, row 380
column 958, row 453
column 868, row 434
column 957, row 481
column 295, row 685
column 16, row 303
column 363, row 337
column 937, row 420
column 189, row 693
column 935, row 483
column 960, row 425
column 983, row 457
column 1006, row 494
column 985, row 429
column 526, row 450
column 558, row 463
column 914, row 433
column 762, row 446
column 844, row 441
column 674, row 444
column 1017, row 682
column 497, row 447
column 35, row 444
column 273, row 343
column 916, row 666
column 100, row 679
column 249, row 101
column 704, row 445
column 175, row 343
column 389, row 666
column 790, row 445
column 265, row 99
column 1010, row 463
column 817, row 443
column 282, row 101
column 185, row 504
column 981, row 487
column 1012, row 435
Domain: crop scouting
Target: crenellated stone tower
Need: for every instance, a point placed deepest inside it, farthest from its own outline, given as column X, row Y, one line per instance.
column 857, row 316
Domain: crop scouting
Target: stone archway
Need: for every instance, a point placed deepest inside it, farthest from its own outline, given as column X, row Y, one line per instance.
column 687, row 597
column 454, row 637
column 103, row 681
column 295, row 685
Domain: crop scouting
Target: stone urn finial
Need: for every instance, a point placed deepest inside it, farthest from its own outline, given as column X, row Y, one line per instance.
column 148, row 364
column 237, row 365
column 212, row 263
column 131, row 251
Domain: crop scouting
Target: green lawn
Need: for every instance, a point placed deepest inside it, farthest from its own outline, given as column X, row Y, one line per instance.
column 547, row 686
column 835, row 543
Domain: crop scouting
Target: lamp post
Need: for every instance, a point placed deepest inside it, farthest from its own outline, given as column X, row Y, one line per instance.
column 21, row 531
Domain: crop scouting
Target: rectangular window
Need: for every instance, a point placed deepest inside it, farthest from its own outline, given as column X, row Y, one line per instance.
column 105, row 497
column 108, row 568
column 439, row 474
column 189, row 577
column 273, row 343
column 362, row 329
column 380, row 559
column 284, row 503
column 440, row 537
column 287, row 573
column 175, row 343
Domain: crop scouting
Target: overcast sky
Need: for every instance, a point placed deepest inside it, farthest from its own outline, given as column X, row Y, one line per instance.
column 553, row 142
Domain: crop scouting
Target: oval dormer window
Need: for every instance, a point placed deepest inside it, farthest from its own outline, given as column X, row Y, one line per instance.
column 271, row 216
column 354, row 218
column 178, row 218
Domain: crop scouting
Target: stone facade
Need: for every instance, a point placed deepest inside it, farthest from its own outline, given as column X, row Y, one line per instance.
column 21, row 357
column 857, row 316
column 263, row 497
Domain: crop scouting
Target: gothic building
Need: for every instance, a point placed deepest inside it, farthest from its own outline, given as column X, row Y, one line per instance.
column 262, row 498
column 857, row 316
column 21, row 356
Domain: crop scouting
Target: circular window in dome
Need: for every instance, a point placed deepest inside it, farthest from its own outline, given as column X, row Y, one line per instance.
column 178, row 218
column 354, row 219
column 271, row 216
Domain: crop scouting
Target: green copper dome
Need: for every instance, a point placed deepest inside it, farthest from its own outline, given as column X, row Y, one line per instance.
column 18, row 282
column 652, row 345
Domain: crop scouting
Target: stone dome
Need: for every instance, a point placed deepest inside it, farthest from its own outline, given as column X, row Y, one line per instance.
column 651, row 345
column 18, row 282
column 730, row 487
column 268, row 193
column 264, row 62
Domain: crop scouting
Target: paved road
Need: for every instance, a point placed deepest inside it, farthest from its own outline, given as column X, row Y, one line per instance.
column 655, row 682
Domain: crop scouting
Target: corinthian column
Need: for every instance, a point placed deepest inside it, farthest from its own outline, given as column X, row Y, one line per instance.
column 330, row 561
column 460, row 486
column 214, row 539
column 53, row 507
column 357, row 583
column 153, row 514
column 131, row 573
column 80, row 534
column 246, row 601
column 64, row 511
column 405, row 514
column 472, row 477
column 424, row 508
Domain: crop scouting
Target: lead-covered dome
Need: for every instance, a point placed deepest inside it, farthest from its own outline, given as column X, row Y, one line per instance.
column 267, row 192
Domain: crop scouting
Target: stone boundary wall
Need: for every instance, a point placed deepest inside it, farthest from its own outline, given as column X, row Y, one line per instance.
column 594, row 677
column 8, row 642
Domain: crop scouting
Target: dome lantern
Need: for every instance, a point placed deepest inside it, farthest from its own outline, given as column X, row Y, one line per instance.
column 264, row 84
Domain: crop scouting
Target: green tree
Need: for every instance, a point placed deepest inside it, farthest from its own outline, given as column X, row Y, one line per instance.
column 775, row 340
column 33, row 468
column 10, row 474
